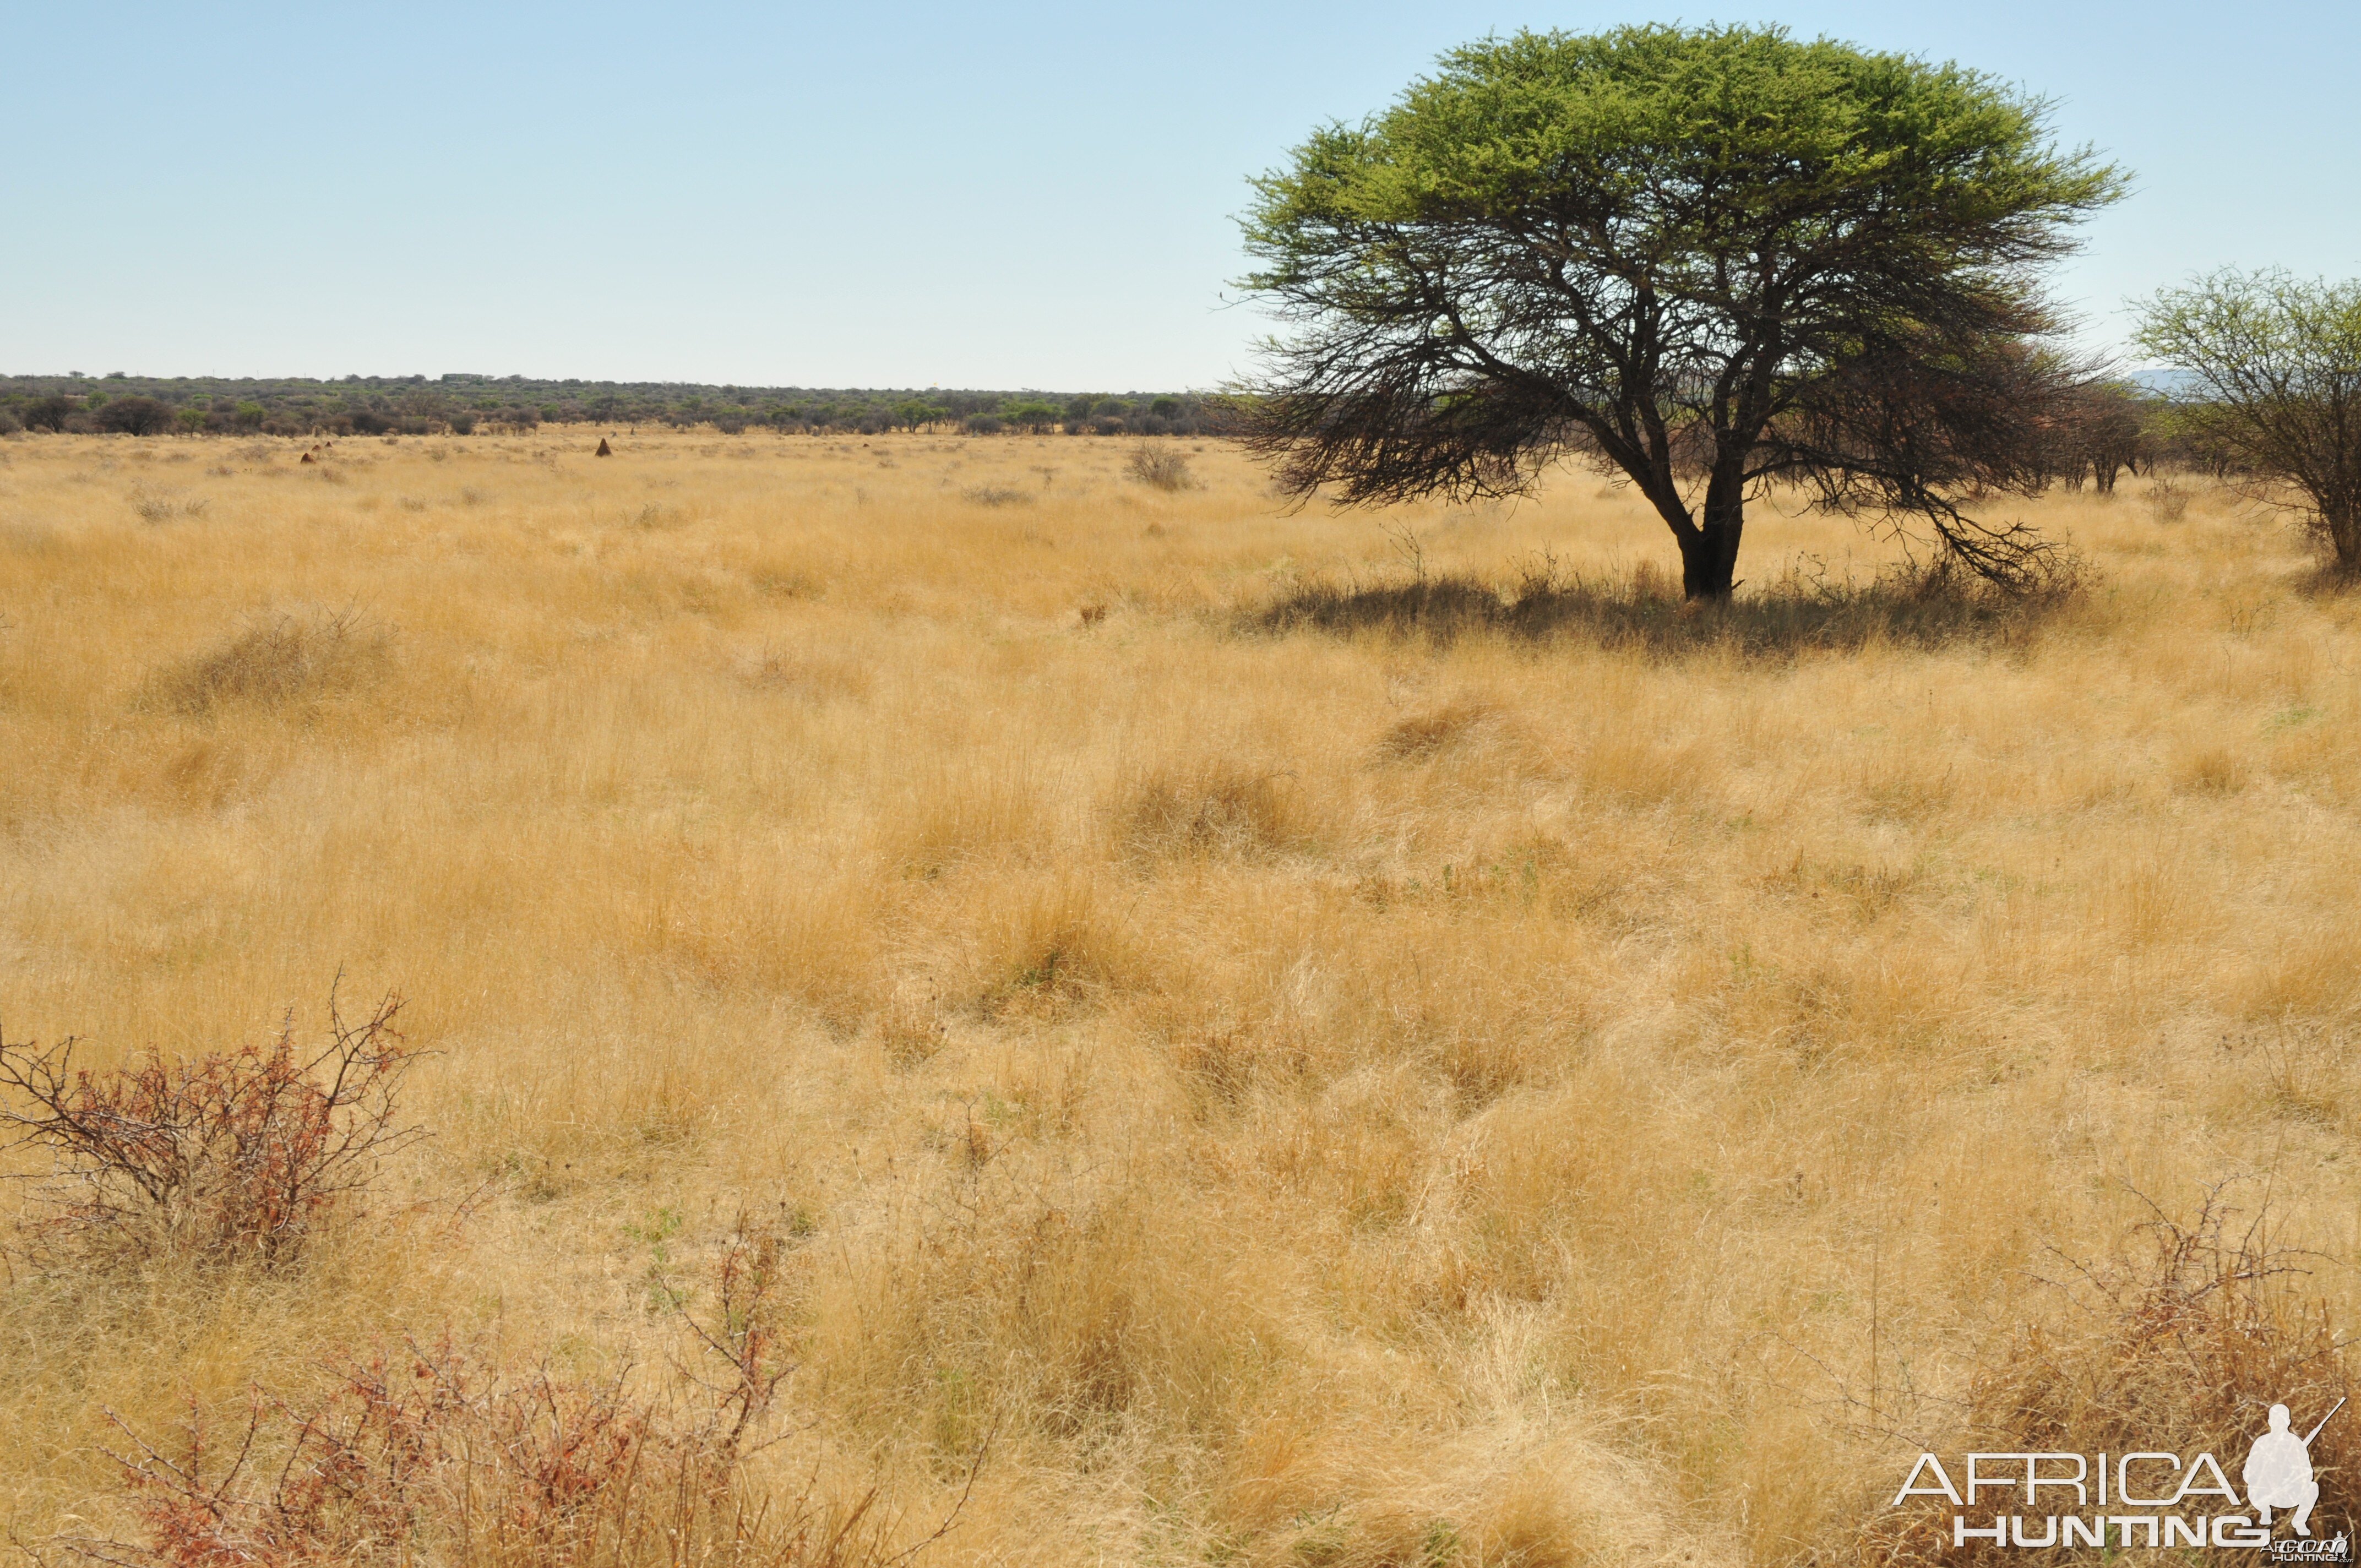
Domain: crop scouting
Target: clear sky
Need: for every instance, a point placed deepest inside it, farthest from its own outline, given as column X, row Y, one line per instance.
column 855, row 195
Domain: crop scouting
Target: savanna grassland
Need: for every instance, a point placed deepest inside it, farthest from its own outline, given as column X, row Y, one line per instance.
column 1224, row 1086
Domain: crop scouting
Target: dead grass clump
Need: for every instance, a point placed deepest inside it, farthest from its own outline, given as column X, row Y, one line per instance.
column 951, row 815
column 2184, row 1343
column 278, row 661
column 815, row 678
column 1213, row 808
column 1160, row 470
column 1052, row 947
column 2215, row 770
column 911, row 1025
column 1802, row 611
column 1445, row 606
column 234, row 1155
column 1104, row 1335
column 163, row 506
column 995, row 496
column 1425, row 735
column 2167, row 498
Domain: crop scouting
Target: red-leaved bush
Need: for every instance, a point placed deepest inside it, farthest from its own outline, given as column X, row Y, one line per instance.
column 229, row 1154
column 430, row 1454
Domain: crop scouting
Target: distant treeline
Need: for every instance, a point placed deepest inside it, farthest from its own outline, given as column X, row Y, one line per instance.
column 2112, row 427
column 414, row 405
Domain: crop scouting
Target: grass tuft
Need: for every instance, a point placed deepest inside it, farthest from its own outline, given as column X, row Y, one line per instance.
column 280, row 661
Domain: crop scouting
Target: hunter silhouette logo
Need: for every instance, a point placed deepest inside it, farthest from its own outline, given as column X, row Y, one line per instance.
column 2278, row 1471
column 2148, row 1498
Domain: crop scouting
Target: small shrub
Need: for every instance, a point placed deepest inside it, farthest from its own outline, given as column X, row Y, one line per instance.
column 162, row 506
column 418, row 1447
column 278, row 661
column 2168, row 499
column 996, row 496
column 1161, row 470
column 231, row 1155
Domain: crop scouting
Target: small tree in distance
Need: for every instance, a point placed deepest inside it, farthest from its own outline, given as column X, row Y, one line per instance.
column 2277, row 366
column 47, row 412
column 1708, row 259
column 137, row 416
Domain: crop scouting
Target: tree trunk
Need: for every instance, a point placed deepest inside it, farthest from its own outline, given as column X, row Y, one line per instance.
column 2342, row 526
column 1709, row 551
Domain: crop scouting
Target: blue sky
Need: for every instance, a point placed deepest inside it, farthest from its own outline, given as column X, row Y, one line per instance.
column 997, row 195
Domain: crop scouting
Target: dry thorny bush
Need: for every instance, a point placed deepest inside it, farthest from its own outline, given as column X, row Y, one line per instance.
column 1166, row 471
column 431, row 1452
column 278, row 661
column 2184, row 1341
column 231, row 1155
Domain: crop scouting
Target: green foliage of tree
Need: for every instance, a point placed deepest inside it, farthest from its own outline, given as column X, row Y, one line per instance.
column 2275, row 362
column 135, row 415
column 47, row 411
column 1031, row 413
column 1706, row 257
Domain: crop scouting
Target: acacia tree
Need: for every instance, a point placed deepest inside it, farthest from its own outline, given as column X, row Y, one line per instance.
column 2277, row 366
column 1707, row 259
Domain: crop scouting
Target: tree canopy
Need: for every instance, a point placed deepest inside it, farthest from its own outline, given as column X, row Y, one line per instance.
column 1708, row 258
column 2277, row 366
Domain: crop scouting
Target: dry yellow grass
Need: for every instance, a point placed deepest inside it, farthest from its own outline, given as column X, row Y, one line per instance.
column 1310, row 1098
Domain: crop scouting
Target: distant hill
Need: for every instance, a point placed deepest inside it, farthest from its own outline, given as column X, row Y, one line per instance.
column 418, row 405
